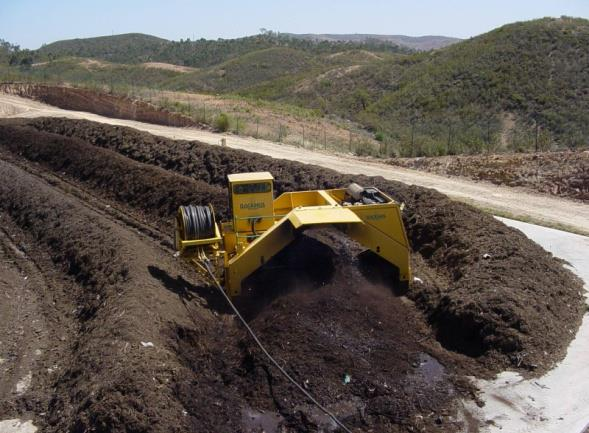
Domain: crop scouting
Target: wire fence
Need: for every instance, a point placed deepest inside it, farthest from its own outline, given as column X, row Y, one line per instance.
column 434, row 136
column 312, row 133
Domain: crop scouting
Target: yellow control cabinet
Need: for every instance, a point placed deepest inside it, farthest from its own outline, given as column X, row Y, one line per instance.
column 252, row 202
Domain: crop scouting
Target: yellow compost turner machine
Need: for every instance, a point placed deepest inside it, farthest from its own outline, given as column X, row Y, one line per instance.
column 261, row 226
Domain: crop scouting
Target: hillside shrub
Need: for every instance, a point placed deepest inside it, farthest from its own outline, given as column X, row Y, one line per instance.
column 222, row 122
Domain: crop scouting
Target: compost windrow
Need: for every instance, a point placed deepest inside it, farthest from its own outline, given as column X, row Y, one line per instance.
column 487, row 291
column 155, row 351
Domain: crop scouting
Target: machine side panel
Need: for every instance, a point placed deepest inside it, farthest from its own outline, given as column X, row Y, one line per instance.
column 252, row 205
column 382, row 231
column 257, row 254
column 385, row 218
column 383, row 245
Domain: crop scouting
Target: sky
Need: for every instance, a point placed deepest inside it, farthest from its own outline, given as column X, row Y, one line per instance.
column 31, row 23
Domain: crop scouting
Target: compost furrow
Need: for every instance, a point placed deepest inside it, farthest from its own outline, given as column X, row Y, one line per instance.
column 105, row 208
column 113, row 382
column 34, row 329
column 112, row 176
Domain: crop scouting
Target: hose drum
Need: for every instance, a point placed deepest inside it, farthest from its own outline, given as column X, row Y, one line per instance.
column 195, row 222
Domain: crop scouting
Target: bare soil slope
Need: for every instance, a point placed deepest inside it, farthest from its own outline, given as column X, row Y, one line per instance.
column 562, row 174
column 78, row 99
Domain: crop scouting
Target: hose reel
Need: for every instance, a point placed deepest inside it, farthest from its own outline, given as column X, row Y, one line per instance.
column 194, row 223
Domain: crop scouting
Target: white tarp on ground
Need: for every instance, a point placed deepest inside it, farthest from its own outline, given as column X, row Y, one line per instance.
column 17, row 426
column 557, row 402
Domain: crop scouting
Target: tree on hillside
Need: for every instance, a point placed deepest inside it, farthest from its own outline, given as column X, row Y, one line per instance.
column 7, row 50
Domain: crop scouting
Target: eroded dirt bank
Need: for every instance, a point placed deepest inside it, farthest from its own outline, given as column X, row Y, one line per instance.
column 94, row 101
column 203, row 374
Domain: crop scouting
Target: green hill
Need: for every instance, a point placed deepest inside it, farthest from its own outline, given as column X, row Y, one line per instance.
column 6, row 51
column 139, row 48
column 481, row 92
column 420, row 43
column 126, row 48
column 517, row 87
column 248, row 70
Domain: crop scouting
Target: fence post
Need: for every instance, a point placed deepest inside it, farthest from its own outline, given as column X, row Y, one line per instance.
column 303, row 136
column 350, row 141
column 412, row 137
column 488, row 135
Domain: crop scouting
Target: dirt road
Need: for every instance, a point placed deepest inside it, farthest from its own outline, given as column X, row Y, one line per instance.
column 513, row 202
